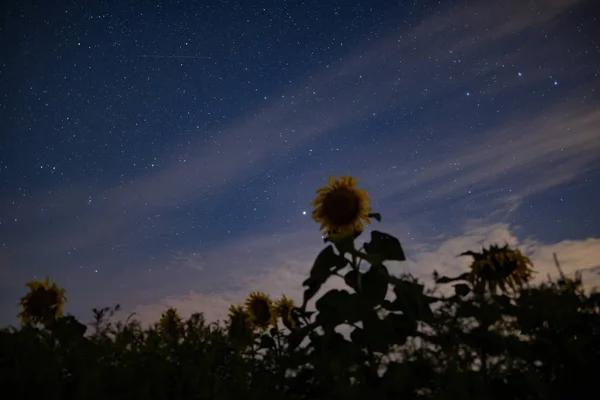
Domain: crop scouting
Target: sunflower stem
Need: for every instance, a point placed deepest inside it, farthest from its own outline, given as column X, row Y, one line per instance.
column 355, row 266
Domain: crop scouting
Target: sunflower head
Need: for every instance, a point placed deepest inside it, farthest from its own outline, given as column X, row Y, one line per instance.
column 43, row 304
column 239, row 327
column 170, row 324
column 260, row 308
column 340, row 208
column 283, row 309
column 499, row 267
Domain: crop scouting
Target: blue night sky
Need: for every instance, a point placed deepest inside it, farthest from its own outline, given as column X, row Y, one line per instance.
column 159, row 154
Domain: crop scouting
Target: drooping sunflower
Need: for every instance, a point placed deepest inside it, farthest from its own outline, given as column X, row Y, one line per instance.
column 43, row 304
column 340, row 208
column 499, row 267
column 170, row 324
column 239, row 327
column 283, row 309
column 260, row 308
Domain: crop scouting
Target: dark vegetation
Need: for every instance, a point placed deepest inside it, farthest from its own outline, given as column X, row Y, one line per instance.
column 494, row 335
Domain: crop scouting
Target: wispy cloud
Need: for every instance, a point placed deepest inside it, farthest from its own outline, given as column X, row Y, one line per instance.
column 191, row 260
column 521, row 158
column 444, row 56
column 279, row 272
column 374, row 76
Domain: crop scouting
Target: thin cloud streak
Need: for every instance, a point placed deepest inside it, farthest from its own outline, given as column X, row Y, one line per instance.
column 528, row 157
column 298, row 115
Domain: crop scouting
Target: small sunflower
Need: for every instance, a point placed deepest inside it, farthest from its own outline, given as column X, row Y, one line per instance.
column 499, row 267
column 240, row 327
column 43, row 304
column 340, row 208
column 260, row 308
column 283, row 309
column 170, row 323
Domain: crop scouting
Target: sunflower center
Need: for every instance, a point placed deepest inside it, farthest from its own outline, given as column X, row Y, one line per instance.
column 41, row 300
column 341, row 207
column 261, row 311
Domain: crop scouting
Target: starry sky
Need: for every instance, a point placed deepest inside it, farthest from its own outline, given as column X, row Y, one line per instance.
column 165, row 154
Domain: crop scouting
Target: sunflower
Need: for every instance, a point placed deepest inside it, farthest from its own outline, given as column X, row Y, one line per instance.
column 260, row 308
column 499, row 267
column 283, row 309
column 340, row 208
column 239, row 327
column 43, row 304
column 170, row 324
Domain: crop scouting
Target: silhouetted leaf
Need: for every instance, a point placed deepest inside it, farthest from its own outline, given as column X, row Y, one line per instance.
column 326, row 263
column 399, row 328
column 68, row 329
column 374, row 285
column 386, row 246
column 376, row 332
column 411, row 300
column 462, row 289
column 296, row 337
column 266, row 342
column 444, row 279
column 338, row 306
column 351, row 279
column 358, row 337
column 375, row 216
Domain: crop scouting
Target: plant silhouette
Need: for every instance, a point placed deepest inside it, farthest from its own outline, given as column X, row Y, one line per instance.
column 495, row 336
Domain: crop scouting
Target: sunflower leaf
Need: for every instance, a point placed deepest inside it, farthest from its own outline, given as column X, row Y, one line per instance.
column 461, row 289
column 411, row 300
column 445, row 279
column 375, row 285
column 67, row 329
column 336, row 307
column 385, row 245
column 296, row 337
column 266, row 342
column 351, row 279
column 398, row 328
column 377, row 332
column 375, row 216
column 358, row 336
column 325, row 265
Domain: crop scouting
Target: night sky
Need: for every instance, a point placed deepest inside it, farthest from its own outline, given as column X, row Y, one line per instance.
column 159, row 154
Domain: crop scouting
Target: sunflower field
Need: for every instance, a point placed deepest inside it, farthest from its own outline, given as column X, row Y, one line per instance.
column 493, row 334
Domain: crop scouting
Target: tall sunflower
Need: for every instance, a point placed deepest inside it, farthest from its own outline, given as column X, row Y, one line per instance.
column 340, row 208
column 260, row 308
column 499, row 267
column 283, row 309
column 43, row 304
column 239, row 327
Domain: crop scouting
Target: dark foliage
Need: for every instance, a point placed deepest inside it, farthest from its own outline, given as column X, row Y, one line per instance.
column 381, row 337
